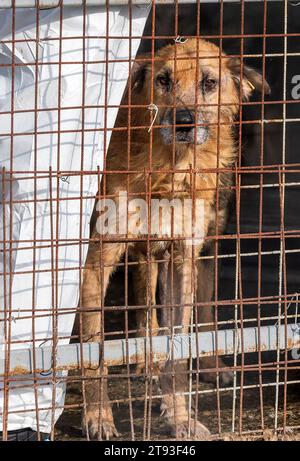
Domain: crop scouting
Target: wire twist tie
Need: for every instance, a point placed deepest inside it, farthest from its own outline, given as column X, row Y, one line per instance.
column 180, row 40
column 152, row 108
column 251, row 85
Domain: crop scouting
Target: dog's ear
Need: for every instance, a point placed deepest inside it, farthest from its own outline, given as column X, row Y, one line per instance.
column 138, row 74
column 251, row 80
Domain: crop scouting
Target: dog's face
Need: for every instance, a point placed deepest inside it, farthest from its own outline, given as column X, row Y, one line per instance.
column 195, row 89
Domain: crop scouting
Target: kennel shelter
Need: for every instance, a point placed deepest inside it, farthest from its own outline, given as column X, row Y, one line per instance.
column 64, row 67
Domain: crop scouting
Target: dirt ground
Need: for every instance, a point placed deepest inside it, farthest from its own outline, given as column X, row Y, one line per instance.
column 69, row 425
column 149, row 425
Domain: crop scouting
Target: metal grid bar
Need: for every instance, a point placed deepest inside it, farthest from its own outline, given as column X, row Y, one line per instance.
column 56, row 3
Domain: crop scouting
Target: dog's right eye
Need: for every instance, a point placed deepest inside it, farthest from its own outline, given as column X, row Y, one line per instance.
column 164, row 80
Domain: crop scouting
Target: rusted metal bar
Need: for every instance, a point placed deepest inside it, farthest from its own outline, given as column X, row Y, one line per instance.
column 55, row 3
column 136, row 350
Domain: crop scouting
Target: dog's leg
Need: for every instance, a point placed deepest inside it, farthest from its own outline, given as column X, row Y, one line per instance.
column 97, row 417
column 174, row 378
column 143, row 297
column 162, row 281
column 205, row 290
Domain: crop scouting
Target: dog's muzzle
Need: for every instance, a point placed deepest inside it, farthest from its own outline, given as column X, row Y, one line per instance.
column 185, row 126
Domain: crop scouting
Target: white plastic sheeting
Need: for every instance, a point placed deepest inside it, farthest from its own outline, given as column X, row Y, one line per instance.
column 56, row 280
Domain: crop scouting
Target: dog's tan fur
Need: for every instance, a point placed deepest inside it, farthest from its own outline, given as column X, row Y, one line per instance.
column 218, row 151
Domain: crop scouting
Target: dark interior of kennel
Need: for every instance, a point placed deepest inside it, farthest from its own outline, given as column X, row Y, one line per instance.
column 165, row 20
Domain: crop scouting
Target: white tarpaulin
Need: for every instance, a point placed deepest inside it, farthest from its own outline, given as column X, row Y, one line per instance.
column 45, row 278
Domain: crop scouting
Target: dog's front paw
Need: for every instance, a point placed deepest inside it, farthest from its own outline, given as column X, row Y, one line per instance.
column 193, row 429
column 96, row 429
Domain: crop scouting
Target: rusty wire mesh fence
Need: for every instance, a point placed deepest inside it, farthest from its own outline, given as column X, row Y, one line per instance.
column 149, row 188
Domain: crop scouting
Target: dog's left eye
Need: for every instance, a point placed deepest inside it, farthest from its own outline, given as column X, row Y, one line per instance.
column 164, row 80
column 209, row 84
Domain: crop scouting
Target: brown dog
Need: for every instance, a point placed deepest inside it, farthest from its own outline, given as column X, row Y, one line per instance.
column 197, row 91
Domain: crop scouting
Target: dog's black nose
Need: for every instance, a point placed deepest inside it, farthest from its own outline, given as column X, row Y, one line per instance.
column 184, row 120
